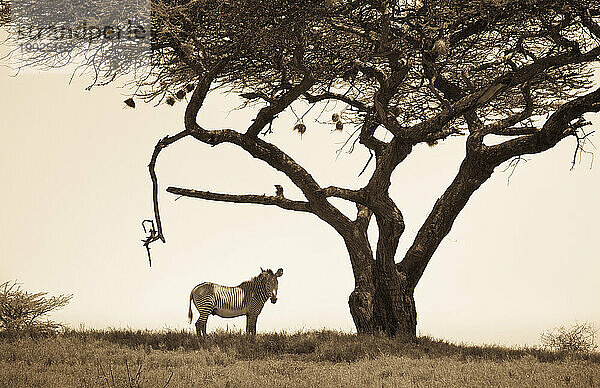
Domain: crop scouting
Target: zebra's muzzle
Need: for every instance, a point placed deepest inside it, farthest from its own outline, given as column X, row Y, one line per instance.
column 273, row 299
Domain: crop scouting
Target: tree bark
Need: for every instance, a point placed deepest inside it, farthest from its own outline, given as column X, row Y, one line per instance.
column 394, row 310
column 381, row 300
column 387, row 305
column 361, row 298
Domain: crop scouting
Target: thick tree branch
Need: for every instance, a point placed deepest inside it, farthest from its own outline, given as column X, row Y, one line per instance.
column 502, row 127
column 512, row 131
column 590, row 24
column 447, row 131
column 556, row 128
column 476, row 168
column 419, row 132
column 347, row 194
column 279, row 201
column 363, row 217
column 486, row 94
column 470, row 177
column 339, row 97
column 196, row 102
column 370, row 36
column 387, row 89
column 367, row 135
column 387, row 155
column 371, row 71
column 163, row 143
column 268, row 153
column 390, row 223
column 451, row 90
column 367, row 132
column 268, row 113
column 199, row 95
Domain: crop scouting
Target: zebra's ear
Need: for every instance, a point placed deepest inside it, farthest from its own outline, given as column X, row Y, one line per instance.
column 262, row 270
column 279, row 272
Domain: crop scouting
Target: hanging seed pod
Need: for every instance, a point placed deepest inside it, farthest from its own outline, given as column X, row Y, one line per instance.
column 170, row 101
column 130, row 103
column 180, row 94
column 339, row 126
column 301, row 128
column 335, row 117
column 189, row 88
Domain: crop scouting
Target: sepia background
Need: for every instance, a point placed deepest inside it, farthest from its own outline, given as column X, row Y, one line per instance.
column 521, row 258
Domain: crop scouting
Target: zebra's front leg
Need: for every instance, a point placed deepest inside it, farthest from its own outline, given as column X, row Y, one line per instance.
column 251, row 324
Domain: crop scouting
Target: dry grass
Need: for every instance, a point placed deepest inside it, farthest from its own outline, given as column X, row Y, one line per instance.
column 124, row 358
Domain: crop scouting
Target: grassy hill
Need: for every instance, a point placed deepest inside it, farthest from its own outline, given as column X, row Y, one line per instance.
column 126, row 358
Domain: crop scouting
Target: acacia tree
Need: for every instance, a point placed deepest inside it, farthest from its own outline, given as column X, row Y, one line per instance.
column 408, row 72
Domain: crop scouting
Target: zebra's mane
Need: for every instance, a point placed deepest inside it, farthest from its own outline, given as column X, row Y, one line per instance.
column 253, row 279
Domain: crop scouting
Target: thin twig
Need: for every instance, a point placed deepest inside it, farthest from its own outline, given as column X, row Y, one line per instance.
column 137, row 375
column 112, row 377
column 128, row 375
column 513, row 165
column 579, row 148
column 367, row 164
column 169, row 380
column 152, row 236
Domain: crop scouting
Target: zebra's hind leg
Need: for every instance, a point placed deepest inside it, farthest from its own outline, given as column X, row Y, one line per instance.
column 201, row 326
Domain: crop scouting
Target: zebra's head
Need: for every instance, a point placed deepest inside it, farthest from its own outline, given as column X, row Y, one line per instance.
column 271, row 282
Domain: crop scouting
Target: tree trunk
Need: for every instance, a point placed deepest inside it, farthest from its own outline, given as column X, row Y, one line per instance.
column 388, row 306
column 394, row 309
column 381, row 300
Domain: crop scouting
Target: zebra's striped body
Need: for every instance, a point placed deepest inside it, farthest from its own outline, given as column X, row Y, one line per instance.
column 248, row 299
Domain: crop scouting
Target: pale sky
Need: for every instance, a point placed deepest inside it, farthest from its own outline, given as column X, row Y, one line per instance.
column 521, row 258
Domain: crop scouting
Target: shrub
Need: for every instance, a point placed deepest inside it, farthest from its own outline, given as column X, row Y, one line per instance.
column 24, row 313
column 579, row 337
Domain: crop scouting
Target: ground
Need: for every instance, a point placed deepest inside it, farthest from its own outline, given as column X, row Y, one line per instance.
column 324, row 359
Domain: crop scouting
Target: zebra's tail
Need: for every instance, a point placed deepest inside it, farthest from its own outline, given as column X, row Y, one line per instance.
column 190, row 314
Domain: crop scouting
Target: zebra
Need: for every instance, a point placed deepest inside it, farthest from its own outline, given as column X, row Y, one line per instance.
column 227, row 302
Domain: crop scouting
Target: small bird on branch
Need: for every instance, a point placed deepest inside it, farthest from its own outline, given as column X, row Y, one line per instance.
column 278, row 191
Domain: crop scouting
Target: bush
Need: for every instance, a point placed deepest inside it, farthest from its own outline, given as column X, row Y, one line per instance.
column 579, row 337
column 23, row 313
